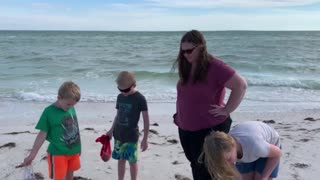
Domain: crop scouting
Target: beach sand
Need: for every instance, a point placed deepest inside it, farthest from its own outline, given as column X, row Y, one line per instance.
column 164, row 160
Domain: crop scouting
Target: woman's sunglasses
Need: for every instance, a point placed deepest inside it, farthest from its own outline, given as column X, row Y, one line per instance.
column 188, row 51
column 125, row 90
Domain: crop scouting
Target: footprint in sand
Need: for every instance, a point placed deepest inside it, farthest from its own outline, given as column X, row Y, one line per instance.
column 8, row 145
column 304, row 140
column 295, row 176
column 300, row 165
column 269, row 121
column 153, row 131
column 176, row 162
column 80, row 178
column 172, row 141
column 15, row 133
column 44, row 158
column 181, row 177
column 155, row 124
column 39, row 176
column 310, row 119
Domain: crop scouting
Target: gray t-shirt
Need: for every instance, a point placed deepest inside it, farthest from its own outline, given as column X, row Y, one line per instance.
column 129, row 109
column 255, row 138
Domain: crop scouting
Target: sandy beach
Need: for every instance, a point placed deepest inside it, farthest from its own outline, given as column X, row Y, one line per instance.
column 164, row 160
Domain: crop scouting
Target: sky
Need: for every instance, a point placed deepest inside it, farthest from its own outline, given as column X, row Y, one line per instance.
column 159, row 15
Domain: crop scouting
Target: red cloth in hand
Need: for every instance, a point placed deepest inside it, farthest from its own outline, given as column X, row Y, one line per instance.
column 106, row 151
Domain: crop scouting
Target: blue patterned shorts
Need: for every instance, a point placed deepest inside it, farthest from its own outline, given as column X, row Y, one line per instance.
column 125, row 151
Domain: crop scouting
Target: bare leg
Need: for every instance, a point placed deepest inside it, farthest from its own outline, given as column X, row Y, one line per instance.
column 248, row 176
column 121, row 169
column 69, row 175
column 257, row 176
column 134, row 171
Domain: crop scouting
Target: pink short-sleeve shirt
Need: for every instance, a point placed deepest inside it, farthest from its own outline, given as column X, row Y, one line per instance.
column 195, row 100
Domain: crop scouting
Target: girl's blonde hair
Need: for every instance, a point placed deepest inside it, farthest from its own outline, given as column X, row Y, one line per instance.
column 214, row 148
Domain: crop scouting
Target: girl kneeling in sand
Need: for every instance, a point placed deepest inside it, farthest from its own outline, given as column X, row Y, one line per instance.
column 253, row 148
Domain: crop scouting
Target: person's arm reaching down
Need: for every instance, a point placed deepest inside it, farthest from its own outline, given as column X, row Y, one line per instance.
column 41, row 137
column 273, row 160
column 146, row 124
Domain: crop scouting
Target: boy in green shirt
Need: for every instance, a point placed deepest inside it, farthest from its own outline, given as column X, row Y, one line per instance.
column 59, row 125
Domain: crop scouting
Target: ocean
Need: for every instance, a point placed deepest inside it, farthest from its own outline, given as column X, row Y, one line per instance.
column 281, row 67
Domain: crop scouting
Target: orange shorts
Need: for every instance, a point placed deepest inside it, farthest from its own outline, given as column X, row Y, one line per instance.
column 60, row 165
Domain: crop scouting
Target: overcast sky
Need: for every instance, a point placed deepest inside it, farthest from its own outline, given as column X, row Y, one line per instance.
column 159, row 15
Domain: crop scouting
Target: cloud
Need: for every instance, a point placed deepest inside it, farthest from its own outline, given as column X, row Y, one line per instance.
column 47, row 6
column 155, row 15
column 113, row 21
column 230, row 3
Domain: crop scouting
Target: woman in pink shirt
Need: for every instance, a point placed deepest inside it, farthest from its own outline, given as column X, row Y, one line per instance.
column 200, row 97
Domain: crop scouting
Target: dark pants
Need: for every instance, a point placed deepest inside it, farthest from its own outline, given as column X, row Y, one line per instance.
column 192, row 144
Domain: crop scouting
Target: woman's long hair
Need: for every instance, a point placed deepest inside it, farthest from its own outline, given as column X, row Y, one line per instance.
column 184, row 67
column 214, row 147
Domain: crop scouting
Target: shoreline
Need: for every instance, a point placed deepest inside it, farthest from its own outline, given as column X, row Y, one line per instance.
column 299, row 131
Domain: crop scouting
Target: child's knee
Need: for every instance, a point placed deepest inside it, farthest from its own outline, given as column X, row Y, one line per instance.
column 122, row 161
column 133, row 164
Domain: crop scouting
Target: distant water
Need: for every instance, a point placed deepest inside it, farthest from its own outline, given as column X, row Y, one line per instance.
column 282, row 68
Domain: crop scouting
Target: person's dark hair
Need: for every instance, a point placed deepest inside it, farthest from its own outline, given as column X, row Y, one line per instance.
column 184, row 67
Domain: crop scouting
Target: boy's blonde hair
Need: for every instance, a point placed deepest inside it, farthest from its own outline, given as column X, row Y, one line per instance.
column 69, row 90
column 214, row 148
column 125, row 80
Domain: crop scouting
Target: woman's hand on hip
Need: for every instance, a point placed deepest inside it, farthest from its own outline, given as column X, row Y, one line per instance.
column 219, row 111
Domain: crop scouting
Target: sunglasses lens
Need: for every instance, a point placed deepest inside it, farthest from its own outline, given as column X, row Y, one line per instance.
column 124, row 90
column 188, row 51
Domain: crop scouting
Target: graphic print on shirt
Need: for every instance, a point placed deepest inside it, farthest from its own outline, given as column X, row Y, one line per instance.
column 124, row 110
column 71, row 136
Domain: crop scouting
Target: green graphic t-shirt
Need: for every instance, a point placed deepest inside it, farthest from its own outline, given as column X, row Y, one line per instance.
column 62, row 130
